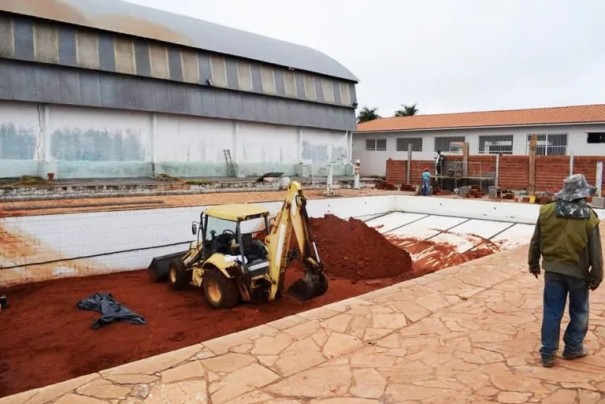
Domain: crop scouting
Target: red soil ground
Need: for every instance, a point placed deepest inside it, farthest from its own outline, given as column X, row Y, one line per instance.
column 44, row 339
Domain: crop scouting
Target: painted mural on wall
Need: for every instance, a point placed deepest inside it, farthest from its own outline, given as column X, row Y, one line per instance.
column 17, row 143
column 75, row 144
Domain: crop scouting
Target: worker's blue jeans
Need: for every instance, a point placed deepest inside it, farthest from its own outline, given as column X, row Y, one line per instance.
column 425, row 187
column 556, row 289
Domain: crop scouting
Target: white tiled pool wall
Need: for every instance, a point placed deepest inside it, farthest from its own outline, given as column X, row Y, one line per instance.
column 127, row 240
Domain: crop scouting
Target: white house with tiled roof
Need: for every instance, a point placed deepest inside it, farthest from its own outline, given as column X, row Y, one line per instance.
column 577, row 130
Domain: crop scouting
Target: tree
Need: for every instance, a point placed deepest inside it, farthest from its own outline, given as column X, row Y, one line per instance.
column 367, row 114
column 407, row 110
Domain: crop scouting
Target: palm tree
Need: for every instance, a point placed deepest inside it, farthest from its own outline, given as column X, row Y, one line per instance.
column 367, row 114
column 410, row 110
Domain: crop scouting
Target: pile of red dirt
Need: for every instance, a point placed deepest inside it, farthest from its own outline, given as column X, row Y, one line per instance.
column 380, row 184
column 439, row 191
column 352, row 250
column 474, row 192
column 409, row 188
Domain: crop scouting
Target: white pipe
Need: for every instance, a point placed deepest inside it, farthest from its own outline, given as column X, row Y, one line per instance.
column 599, row 180
column 152, row 138
column 497, row 170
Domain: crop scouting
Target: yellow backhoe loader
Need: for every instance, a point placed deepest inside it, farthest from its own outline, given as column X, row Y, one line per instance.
column 231, row 265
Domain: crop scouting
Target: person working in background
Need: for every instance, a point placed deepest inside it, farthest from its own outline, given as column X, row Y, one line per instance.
column 426, row 181
column 439, row 163
column 567, row 238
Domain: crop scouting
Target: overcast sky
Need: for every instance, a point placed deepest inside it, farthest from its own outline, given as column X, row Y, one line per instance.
column 444, row 55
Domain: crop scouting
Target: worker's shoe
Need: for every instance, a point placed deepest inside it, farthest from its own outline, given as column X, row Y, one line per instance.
column 575, row 355
column 548, row 362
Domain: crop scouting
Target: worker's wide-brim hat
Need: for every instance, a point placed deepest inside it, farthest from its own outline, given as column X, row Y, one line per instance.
column 575, row 187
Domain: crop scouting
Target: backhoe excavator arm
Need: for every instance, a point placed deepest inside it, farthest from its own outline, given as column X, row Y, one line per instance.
column 293, row 218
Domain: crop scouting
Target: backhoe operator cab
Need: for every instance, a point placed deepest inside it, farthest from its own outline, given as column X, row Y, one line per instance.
column 226, row 261
column 240, row 256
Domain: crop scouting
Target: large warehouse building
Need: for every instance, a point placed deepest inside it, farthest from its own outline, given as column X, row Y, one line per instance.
column 111, row 89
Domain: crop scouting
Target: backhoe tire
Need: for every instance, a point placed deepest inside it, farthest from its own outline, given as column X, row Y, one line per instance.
column 178, row 275
column 221, row 292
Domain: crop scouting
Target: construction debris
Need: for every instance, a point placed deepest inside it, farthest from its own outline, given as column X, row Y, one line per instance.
column 381, row 184
column 269, row 177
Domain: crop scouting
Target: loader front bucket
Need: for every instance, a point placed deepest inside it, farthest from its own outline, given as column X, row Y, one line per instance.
column 160, row 266
column 312, row 285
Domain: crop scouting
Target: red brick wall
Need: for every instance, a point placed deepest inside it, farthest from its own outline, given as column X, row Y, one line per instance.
column 514, row 170
column 396, row 171
column 587, row 165
column 550, row 172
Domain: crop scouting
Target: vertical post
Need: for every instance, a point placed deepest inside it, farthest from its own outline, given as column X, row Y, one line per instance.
column 235, row 141
column 532, row 165
column 599, row 178
column 357, row 173
column 350, row 145
column 152, row 137
column 465, row 160
column 571, row 163
column 300, row 144
column 497, row 169
column 45, row 143
column 408, row 170
column 330, row 180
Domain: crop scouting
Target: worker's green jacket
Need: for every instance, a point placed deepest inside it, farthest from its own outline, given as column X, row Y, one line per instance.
column 568, row 239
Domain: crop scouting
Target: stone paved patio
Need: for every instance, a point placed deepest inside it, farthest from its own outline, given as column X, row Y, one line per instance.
column 465, row 334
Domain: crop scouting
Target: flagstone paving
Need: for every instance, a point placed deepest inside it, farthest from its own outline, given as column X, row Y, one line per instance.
column 465, row 334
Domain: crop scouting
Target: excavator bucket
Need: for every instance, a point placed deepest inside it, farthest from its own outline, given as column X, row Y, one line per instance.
column 160, row 266
column 312, row 285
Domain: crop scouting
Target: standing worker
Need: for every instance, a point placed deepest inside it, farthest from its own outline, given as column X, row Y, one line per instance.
column 439, row 163
column 568, row 239
column 426, row 181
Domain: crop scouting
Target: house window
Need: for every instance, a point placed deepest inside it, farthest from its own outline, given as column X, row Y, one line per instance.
column 550, row 144
column 416, row 142
column 376, row 144
column 496, row 144
column 453, row 144
column 596, row 137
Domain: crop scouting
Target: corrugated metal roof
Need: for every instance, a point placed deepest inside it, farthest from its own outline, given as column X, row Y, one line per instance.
column 519, row 117
column 127, row 18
